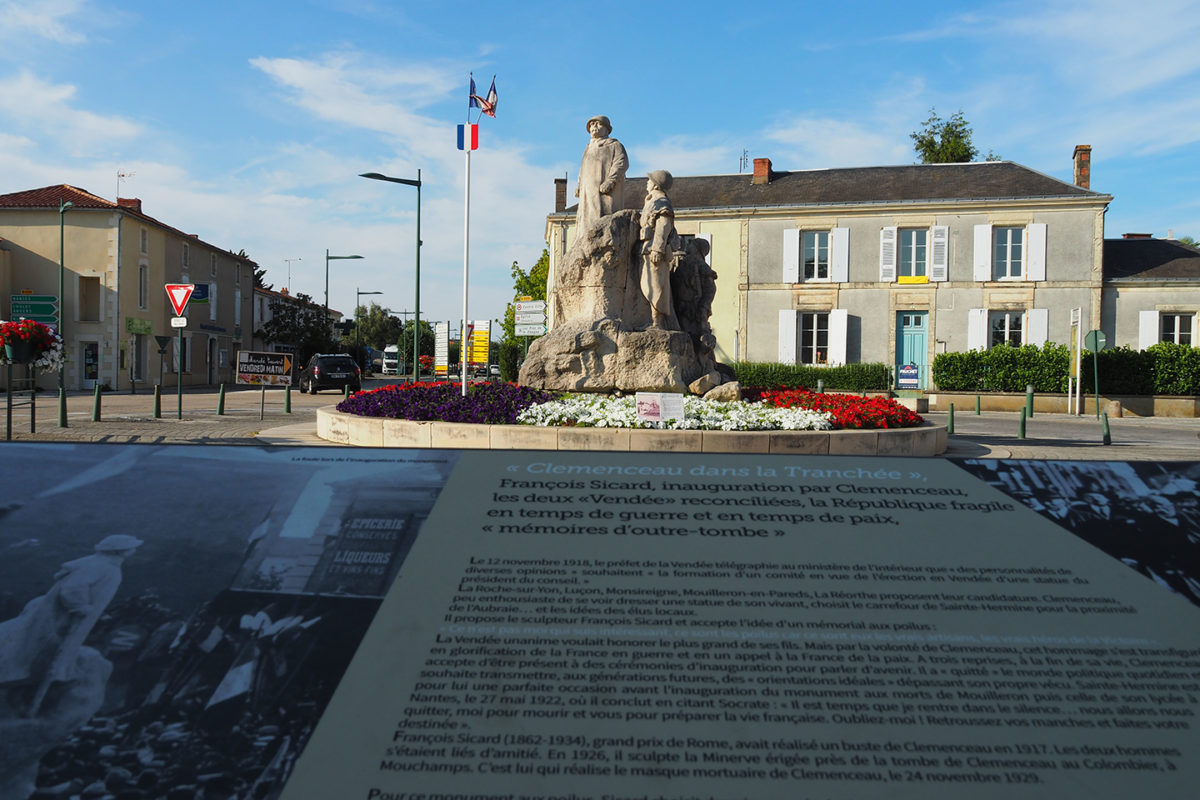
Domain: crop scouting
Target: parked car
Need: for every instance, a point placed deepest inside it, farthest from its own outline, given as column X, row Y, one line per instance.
column 494, row 370
column 330, row 371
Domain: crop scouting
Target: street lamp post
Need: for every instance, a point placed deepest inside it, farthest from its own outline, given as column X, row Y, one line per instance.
column 329, row 258
column 358, row 333
column 62, row 391
column 417, row 302
column 289, row 273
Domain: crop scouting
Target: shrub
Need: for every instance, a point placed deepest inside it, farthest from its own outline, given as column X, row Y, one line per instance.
column 485, row 403
column 510, row 355
column 847, row 377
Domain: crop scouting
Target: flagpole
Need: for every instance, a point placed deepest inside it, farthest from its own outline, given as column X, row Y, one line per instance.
column 463, row 347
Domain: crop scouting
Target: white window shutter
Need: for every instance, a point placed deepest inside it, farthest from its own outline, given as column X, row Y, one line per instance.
column 1147, row 329
column 788, row 320
column 1035, row 251
column 708, row 238
column 939, row 253
column 983, row 253
column 791, row 255
column 839, row 246
column 1037, row 326
column 977, row 321
column 212, row 301
column 838, row 324
column 887, row 254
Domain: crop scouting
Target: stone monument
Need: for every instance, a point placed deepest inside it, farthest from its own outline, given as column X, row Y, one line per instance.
column 631, row 301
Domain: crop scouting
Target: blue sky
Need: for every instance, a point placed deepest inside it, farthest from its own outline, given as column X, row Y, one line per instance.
column 247, row 123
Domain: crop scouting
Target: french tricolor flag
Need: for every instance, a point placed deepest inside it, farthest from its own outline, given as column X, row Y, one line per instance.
column 468, row 137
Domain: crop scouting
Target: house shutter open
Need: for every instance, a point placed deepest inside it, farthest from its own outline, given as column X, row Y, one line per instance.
column 791, row 255
column 939, row 253
column 887, row 254
column 838, row 325
column 977, row 320
column 1037, row 326
column 1035, row 266
column 788, row 320
column 982, row 254
column 1147, row 329
column 839, row 245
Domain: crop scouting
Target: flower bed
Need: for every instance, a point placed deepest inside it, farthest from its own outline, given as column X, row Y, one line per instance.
column 506, row 403
column 845, row 410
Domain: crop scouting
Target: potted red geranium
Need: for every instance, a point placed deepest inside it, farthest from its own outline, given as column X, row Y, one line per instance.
column 28, row 342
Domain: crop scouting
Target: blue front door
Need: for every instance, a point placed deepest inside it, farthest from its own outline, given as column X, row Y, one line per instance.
column 912, row 349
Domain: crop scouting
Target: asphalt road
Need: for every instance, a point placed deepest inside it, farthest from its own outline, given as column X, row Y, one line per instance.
column 252, row 416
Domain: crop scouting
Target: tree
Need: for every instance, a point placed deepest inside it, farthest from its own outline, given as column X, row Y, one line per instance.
column 526, row 284
column 1189, row 241
column 376, row 327
column 299, row 323
column 946, row 141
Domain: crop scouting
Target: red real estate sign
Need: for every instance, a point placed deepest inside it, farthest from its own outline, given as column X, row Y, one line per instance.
column 180, row 293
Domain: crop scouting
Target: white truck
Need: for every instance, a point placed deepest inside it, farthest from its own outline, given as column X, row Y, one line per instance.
column 391, row 360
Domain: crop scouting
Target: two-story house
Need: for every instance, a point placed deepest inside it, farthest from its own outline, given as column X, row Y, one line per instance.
column 113, row 311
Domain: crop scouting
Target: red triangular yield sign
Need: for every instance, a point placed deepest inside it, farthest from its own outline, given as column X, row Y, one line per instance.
column 180, row 293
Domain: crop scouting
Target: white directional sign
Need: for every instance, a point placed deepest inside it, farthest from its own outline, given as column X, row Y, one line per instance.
column 530, row 330
column 530, row 305
column 531, row 319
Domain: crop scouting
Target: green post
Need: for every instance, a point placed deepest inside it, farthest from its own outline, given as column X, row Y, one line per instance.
column 1021, row 426
column 62, row 407
column 977, row 405
column 1029, row 400
column 179, row 379
column 950, row 420
column 157, row 401
column 221, row 401
column 96, row 403
column 346, row 392
column 1096, row 375
column 1107, row 435
column 287, row 399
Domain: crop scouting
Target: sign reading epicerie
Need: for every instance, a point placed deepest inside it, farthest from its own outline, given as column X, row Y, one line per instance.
column 666, row 626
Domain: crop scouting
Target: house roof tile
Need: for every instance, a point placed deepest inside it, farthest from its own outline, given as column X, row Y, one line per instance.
column 1150, row 260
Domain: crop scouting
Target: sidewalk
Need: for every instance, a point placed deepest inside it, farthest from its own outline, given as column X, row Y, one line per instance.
column 992, row 434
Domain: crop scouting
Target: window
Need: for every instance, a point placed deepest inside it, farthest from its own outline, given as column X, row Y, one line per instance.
column 186, row 257
column 1175, row 328
column 89, row 299
column 814, row 339
column 914, row 254
column 183, row 360
column 1008, row 253
column 212, row 264
column 815, row 255
column 212, row 301
column 144, row 242
column 1004, row 328
column 143, row 286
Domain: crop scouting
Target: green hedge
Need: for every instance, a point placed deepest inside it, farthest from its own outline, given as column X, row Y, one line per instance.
column 845, row 378
column 510, row 355
column 1167, row 369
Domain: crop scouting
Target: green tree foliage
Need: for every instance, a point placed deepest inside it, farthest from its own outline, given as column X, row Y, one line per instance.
column 299, row 323
column 526, row 284
column 424, row 343
column 1188, row 240
column 376, row 327
column 946, row 141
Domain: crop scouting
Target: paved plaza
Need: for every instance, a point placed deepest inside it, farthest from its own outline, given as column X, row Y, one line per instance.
column 255, row 418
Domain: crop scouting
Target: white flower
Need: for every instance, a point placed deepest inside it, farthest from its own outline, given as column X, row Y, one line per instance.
column 601, row 411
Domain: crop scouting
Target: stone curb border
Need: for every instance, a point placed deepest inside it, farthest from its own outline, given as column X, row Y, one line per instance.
column 925, row 441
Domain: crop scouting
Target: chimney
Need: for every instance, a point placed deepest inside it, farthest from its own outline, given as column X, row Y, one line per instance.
column 132, row 203
column 1137, row 236
column 1083, row 166
column 560, row 195
column 762, row 171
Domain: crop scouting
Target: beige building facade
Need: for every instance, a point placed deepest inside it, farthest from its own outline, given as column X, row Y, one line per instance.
column 116, row 262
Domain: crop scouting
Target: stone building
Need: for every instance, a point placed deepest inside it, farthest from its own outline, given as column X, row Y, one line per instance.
column 116, row 260
column 888, row 264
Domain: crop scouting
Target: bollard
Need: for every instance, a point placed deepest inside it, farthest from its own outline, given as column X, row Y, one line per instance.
column 157, row 401
column 977, row 405
column 950, row 420
column 1021, row 426
column 62, row 408
column 820, row 386
column 96, row 404
column 346, row 392
column 1107, row 435
column 221, row 401
column 1029, row 400
column 287, row 399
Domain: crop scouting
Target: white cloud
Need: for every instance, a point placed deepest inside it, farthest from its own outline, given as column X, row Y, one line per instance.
column 29, row 103
column 821, row 142
column 684, row 155
column 45, row 19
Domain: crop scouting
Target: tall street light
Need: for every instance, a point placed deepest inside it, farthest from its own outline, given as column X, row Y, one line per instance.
column 357, row 332
column 416, row 359
column 62, row 391
column 329, row 258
